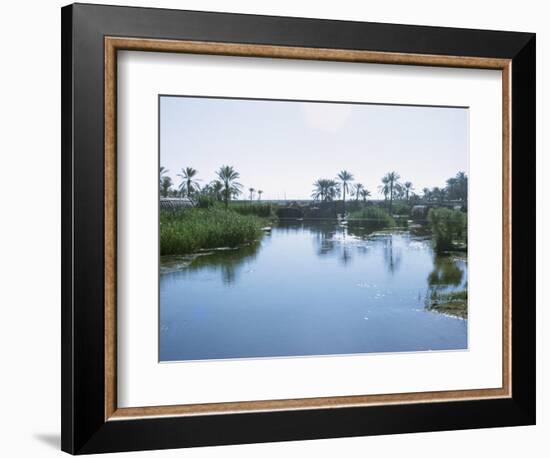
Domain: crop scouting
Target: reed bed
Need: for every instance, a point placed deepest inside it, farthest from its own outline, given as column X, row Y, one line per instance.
column 192, row 230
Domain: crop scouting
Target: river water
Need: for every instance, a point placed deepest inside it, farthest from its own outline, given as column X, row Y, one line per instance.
column 309, row 288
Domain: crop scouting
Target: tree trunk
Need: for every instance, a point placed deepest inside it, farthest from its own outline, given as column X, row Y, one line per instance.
column 344, row 200
column 391, row 198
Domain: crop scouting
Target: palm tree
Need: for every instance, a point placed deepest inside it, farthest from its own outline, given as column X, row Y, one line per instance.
column 390, row 184
column 260, row 192
column 357, row 188
column 427, row 194
column 398, row 191
column 333, row 190
column 408, row 187
column 251, row 190
column 345, row 177
column 188, row 184
column 320, row 189
column 325, row 190
column 217, row 187
column 364, row 194
column 439, row 194
column 162, row 172
column 165, row 185
column 384, row 188
column 457, row 187
column 228, row 177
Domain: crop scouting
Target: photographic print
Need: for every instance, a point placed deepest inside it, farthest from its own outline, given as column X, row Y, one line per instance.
column 310, row 228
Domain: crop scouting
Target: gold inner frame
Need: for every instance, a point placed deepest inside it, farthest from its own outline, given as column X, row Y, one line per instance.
column 112, row 45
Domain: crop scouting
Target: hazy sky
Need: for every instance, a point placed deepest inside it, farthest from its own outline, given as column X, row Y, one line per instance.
column 283, row 147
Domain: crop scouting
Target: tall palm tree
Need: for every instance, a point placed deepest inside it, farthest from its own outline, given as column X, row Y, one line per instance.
column 228, row 176
column 251, row 191
column 260, row 192
column 384, row 188
column 345, row 178
column 391, row 183
column 357, row 189
column 188, row 185
column 408, row 187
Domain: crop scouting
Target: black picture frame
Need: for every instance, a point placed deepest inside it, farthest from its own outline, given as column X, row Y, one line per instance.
column 84, row 428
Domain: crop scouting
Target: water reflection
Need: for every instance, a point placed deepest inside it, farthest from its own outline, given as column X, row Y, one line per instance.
column 447, row 271
column 392, row 255
column 228, row 262
column 342, row 241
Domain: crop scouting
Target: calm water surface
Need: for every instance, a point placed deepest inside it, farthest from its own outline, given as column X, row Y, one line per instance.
column 309, row 289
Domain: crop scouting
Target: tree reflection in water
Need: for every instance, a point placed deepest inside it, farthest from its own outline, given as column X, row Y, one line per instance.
column 342, row 241
column 345, row 240
column 446, row 272
column 229, row 262
column 392, row 255
column 447, row 275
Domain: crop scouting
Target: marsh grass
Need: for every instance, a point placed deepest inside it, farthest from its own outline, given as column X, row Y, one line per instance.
column 191, row 230
column 374, row 214
column 257, row 209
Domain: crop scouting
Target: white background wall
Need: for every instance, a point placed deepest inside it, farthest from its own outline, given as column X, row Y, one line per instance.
column 30, row 226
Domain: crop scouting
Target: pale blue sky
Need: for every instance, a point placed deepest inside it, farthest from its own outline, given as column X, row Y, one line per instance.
column 282, row 147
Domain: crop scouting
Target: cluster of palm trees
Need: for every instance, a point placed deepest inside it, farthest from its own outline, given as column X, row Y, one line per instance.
column 392, row 188
column 224, row 188
column 456, row 189
column 252, row 192
column 327, row 190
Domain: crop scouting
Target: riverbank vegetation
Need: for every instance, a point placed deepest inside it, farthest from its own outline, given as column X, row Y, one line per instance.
column 439, row 210
column 373, row 214
column 191, row 230
column 258, row 209
column 449, row 229
column 454, row 303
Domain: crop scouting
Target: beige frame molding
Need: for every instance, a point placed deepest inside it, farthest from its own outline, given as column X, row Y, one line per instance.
column 114, row 44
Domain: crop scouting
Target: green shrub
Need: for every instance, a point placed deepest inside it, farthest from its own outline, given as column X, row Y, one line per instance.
column 401, row 209
column 188, row 231
column 205, row 201
column 374, row 214
column 449, row 227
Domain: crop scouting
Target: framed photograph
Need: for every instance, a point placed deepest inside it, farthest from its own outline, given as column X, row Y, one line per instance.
column 281, row 228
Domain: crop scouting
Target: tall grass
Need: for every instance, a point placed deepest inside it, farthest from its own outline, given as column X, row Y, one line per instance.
column 449, row 227
column 375, row 215
column 258, row 209
column 191, row 230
